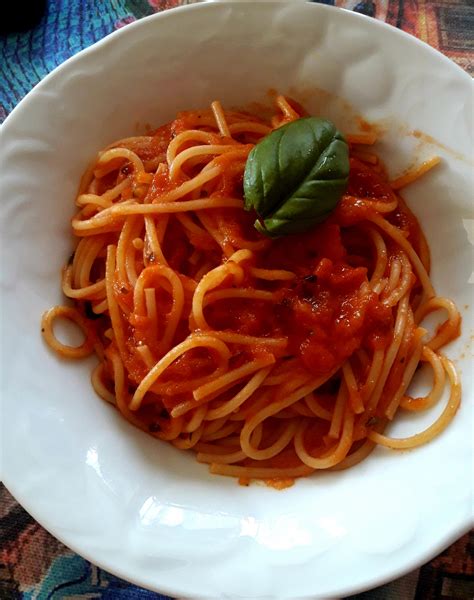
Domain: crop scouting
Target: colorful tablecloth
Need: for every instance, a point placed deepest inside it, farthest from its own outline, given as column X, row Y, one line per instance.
column 33, row 564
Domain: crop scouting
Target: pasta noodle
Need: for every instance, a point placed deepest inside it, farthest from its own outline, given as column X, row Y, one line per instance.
column 269, row 358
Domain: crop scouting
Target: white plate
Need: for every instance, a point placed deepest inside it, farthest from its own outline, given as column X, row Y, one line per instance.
column 140, row 508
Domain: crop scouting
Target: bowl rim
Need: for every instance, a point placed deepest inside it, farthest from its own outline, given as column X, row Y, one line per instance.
column 463, row 524
column 219, row 4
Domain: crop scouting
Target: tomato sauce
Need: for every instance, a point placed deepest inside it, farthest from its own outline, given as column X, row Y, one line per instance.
column 326, row 312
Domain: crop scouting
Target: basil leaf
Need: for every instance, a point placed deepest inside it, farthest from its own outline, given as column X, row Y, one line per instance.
column 296, row 175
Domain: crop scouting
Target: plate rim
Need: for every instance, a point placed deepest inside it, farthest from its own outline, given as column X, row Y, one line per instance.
column 175, row 594
column 207, row 4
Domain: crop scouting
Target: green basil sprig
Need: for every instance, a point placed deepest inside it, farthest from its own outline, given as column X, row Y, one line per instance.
column 295, row 176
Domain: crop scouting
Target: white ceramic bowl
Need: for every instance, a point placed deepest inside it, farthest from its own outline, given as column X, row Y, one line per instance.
column 138, row 507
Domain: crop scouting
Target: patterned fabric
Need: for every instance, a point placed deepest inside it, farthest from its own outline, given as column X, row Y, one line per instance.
column 33, row 564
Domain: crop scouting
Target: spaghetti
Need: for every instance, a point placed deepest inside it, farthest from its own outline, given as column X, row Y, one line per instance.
column 268, row 358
